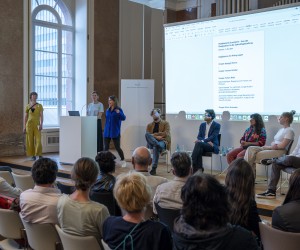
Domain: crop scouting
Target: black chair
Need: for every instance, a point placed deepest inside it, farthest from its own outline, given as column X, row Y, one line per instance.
column 65, row 189
column 210, row 154
column 167, row 216
column 108, row 200
column 267, row 164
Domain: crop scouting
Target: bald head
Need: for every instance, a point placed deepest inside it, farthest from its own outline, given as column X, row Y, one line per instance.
column 141, row 158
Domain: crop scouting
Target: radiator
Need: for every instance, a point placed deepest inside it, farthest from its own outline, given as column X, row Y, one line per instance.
column 50, row 140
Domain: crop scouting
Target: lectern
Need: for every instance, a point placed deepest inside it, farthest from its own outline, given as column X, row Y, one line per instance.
column 77, row 138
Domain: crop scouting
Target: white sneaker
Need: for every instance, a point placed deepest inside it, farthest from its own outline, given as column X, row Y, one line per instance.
column 123, row 164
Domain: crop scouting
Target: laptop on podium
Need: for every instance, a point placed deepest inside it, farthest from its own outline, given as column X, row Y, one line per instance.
column 74, row 113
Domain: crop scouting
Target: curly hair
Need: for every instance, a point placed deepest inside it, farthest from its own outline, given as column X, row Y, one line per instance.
column 106, row 161
column 205, row 202
column 259, row 123
column 293, row 193
column 240, row 182
column 84, row 172
column 44, row 171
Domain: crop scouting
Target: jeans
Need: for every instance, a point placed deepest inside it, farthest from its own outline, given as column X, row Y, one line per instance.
column 157, row 146
column 99, row 136
column 117, row 145
column 199, row 149
column 289, row 161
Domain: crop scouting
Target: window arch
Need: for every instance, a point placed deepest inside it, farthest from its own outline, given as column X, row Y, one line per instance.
column 52, row 58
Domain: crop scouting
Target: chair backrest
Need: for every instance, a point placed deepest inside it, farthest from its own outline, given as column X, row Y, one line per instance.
column 10, row 224
column 65, row 189
column 23, row 182
column 42, row 236
column 6, row 175
column 167, row 216
column 289, row 147
column 105, row 246
column 219, row 139
column 72, row 242
column 108, row 200
column 273, row 239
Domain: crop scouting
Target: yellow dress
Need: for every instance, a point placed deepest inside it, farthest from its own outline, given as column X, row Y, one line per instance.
column 33, row 134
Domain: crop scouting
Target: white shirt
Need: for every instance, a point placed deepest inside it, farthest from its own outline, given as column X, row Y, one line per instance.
column 296, row 151
column 38, row 205
column 94, row 109
column 283, row 133
column 207, row 128
column 8, row 190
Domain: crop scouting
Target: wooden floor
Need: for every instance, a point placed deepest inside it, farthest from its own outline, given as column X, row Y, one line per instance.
column 22, row 164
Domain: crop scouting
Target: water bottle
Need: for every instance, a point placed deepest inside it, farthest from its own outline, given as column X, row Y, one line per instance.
column 223, row 152
column 177, row 148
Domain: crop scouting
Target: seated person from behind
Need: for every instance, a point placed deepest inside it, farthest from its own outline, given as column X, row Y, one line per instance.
column 287, row 217
column 255, row 135
column 282, row 140
column 207, row 139
column 239, row 183
column 5, row 187
column 204, row 222
column 38, row 205
column 77, row 214
column 132, row 231
column 158, row 137
column 141, row 160
column 289, row 161
column 167, row 195
column 107, row 165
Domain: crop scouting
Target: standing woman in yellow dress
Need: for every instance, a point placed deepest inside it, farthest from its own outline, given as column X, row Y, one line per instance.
column 33, row 126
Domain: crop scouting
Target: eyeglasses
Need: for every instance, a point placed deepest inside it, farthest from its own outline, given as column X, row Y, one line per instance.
column 207, row 115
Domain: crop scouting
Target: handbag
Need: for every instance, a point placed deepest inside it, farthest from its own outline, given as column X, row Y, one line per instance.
column 11, row 203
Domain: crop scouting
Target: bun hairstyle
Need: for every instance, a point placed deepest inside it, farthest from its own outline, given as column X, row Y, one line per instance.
column 84, row 173
column 211, row 112
column 155, row 109
column 289, row 115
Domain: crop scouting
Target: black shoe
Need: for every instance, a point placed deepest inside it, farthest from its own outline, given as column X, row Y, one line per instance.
column 267, row 161
column 41, row 157
column 33, row 158
column 269, row 194
column 153, row 171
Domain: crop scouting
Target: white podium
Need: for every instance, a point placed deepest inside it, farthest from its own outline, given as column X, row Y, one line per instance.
column 77, row 138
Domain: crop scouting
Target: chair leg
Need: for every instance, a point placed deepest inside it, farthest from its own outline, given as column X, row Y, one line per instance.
column 211, row 164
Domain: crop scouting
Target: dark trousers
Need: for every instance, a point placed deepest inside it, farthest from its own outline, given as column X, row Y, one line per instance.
column 117, row 145
column 199, row 149
column 99, row 136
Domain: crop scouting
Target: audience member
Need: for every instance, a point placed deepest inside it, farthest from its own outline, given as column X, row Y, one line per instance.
column 240, row 182
column 207, row 139
column 204, row 221
column 286, row 217
column 282, row 139
column 255, row 135
column 77, row 214
column 7, row 190
column 38, row 205
column 141, row 160
column 168, row 194
column 289, row 161
column 158, row 137
column 131, row 231
column 107, row 165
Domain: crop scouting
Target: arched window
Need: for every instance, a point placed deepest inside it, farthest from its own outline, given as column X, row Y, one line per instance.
column 52, row 58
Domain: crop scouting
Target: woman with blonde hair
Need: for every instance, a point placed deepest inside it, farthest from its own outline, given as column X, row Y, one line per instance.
column 77, row 214
column 132, row 231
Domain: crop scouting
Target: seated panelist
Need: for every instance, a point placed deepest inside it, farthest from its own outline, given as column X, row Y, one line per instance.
column 255, row 135
column 207, row 139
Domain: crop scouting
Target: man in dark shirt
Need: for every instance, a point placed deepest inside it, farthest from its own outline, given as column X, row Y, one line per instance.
column 158, row 137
